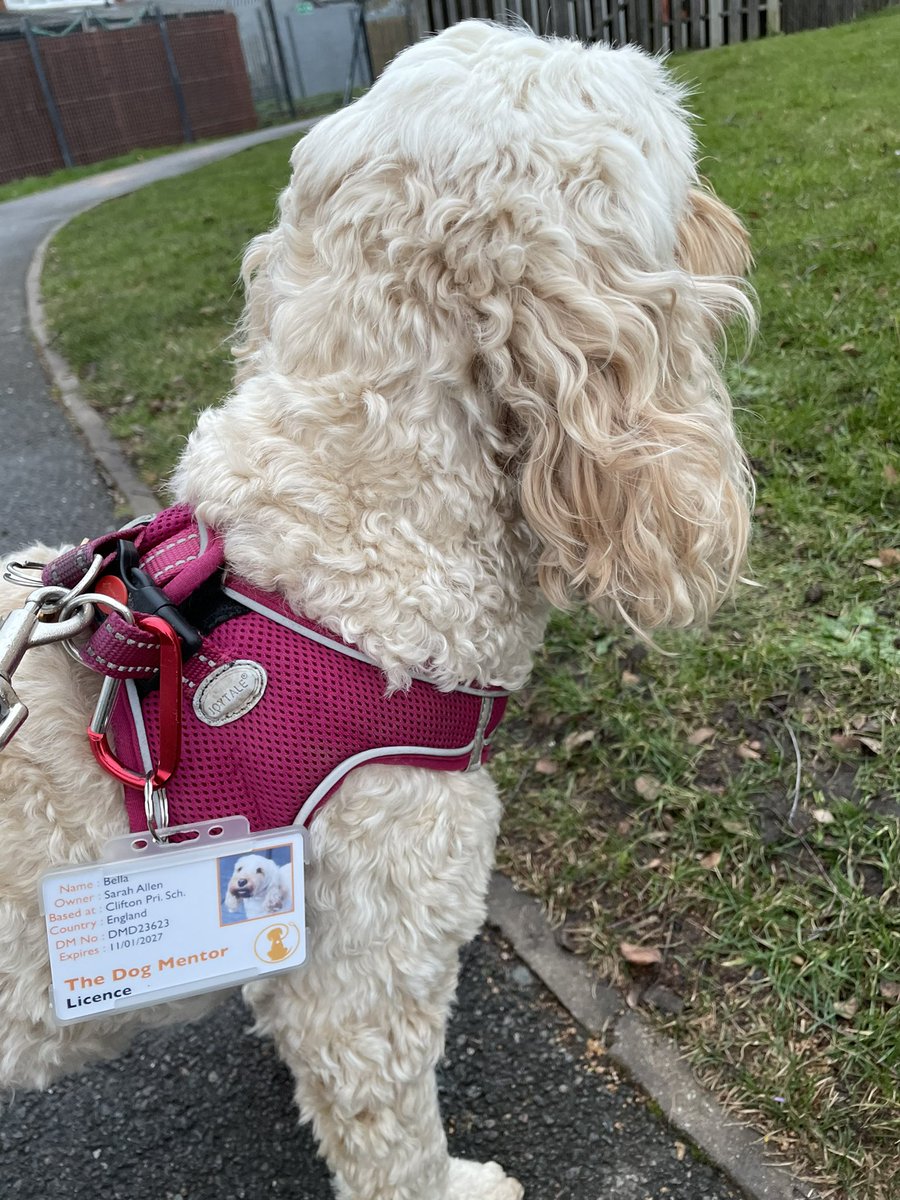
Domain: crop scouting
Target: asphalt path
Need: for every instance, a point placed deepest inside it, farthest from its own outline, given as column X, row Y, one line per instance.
column 50, row 489
column 206, row 1112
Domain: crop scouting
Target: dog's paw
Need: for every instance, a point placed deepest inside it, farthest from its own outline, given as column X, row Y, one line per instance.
column 481, row 1181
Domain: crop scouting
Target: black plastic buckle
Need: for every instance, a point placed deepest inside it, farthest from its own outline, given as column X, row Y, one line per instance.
column 144, row 596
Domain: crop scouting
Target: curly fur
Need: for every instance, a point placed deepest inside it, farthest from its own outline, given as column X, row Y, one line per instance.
column 477, row 376
column 258, row 886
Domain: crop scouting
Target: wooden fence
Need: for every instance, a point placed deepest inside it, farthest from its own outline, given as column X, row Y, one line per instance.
column 657, row 25
column 88, row 95
column 797, row 15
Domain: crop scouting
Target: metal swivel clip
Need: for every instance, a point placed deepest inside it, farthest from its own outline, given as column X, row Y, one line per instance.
column 46, row 616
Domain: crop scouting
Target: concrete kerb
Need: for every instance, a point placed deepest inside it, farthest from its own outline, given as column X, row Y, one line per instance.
column 135, row 494
column 653, row 1061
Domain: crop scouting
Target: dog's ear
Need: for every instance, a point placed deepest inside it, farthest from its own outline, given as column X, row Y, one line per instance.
column 711, row 238
column 630, row 471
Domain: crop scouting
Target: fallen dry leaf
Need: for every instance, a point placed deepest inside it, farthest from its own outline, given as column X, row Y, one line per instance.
column 822, row 816
column 710, row 861
column 844, row 741
column 701, row 735
column 847, row 1009
column 890, row 989
column 546, row 766
column 633, row 996
column 738, row 828
column 653, row 864
column 889, row 556
column 873, row 562
column 851, row 349
column 856, row 742
column 594, row 1048
column 747, row 752
column 890, row 474
column 629, row 679
column 680, row 1151
column 647, row 787
column 640, row 956
column 574, row 740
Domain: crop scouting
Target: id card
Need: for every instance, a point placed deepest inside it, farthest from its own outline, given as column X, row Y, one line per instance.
column 151, row 923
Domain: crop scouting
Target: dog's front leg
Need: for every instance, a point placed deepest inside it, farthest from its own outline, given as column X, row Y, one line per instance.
column 401, row 861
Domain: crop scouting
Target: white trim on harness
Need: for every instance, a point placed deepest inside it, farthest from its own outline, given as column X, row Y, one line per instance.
column 203, row 531
column 334, row 777
column 341, row 647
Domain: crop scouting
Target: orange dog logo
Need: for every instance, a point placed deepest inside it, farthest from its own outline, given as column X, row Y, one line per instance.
column 275, row 943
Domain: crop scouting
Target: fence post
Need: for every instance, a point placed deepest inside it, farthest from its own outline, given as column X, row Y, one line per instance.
column 418, row 19
column 364, row 39
column 695, row 36
column 186, row 128
column 351, row 74
column 282, row 64
column 773, row 16
column 295, row 55
column 49, row 99
column 714, row 14
column 267, row 52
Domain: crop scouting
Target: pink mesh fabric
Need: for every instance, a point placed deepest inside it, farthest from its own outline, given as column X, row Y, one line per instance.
column 321, row 710
column 323, row 713
column 177, row 555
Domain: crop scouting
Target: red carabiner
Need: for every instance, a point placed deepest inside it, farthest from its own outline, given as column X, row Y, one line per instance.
column 169, row 752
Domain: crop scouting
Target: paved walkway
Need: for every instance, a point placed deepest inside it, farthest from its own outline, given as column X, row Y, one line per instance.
column 51, row 489
column 206, row 1113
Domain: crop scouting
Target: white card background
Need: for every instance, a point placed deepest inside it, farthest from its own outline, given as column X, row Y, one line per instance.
column 145, row 929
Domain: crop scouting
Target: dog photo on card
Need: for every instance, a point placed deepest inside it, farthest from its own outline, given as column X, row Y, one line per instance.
column 256, row 885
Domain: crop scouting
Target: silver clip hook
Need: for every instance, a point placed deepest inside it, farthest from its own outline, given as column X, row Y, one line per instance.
column 27, row 627
column 156, row 810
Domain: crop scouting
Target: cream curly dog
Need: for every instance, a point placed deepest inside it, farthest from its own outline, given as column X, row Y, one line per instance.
column 478, row 376
column 258, row 886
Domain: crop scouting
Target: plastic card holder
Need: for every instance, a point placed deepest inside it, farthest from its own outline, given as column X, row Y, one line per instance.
column 150, row 923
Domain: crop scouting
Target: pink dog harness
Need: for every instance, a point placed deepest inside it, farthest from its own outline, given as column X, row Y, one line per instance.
column 276, row 711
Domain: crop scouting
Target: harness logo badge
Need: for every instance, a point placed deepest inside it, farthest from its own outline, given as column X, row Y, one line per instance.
column 230, row 691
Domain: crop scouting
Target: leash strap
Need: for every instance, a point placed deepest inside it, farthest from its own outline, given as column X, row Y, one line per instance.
column 175, row 551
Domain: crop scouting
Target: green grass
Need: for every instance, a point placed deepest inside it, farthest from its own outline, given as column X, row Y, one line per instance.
column 779, row 941
column 158, row 354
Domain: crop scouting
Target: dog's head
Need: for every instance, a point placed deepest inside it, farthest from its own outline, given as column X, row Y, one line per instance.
column 519, row 222
column 253, row 875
